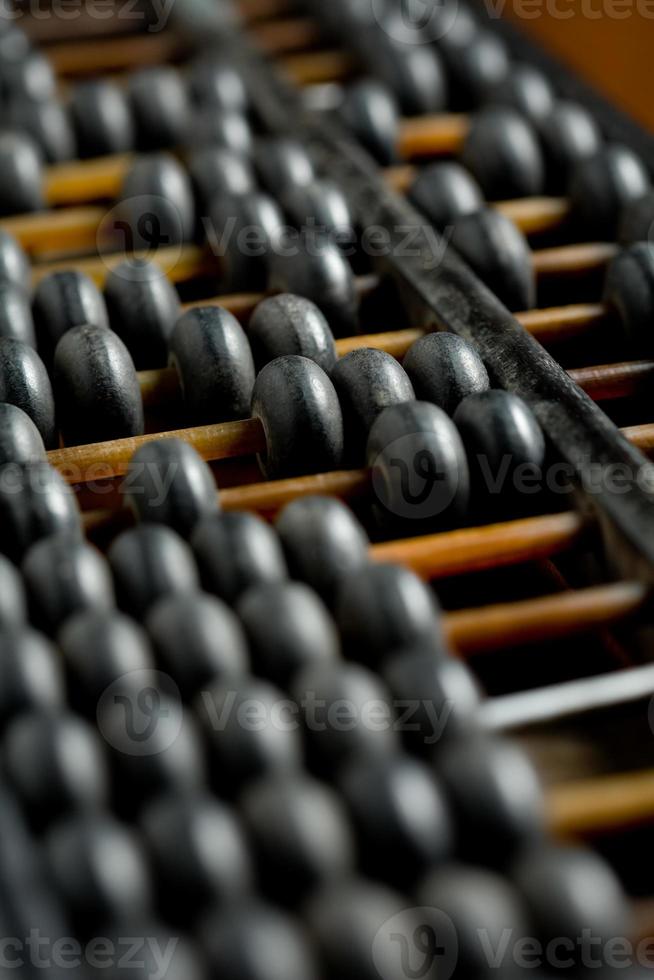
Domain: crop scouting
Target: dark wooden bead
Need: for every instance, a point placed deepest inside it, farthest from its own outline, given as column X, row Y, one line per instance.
column 413, row 72
column 20, row 440
column 322, row 541
column 445, row 192
column 288, row 324
column 35, row 503
column 143, row 308
column 198, row 639
column 383, row 607
column 301, row 835
column 602, row 185
column 96, row 387
column 64, row 300
column 32, row 673
column 21, row 166
column 229, row 130
column 160, row 106
column 287, row 627
column 13, row 604
column 149, row 562
column 48, row 124
column 157, row 208
column 496, row 798
column 283, row 164
column 420, row 473
column 371, row 112
column 301, row 417
column 444, row 369
column 55, row 762
column 500, row 255
column 629, row 292
column 322, row 207
column 14, row 263
column 476, row 66
column 102, row 118
column 243, row 232
column 217, row 170
column 25, row 73
column 568, row 134
column 214, row 363
column 214, row 82
column 367, row 381
column 236, row 551
column 503, row 154
column 16, row 319
column 526, row 89
column 64, row 575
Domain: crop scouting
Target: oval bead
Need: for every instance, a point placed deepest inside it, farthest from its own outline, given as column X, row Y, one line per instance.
column 242, row 234
column 49, row 126
column 102, row 118
column 35, row 503
column 149, row 562
column 156, row 205
column 445, row 192
column 637, row 220
column 288, row 324
column 32, row 671
column 321, row 207
column 217, row 170
column 500, row 255
column 477, row 65
column 629, row 292
column 444, row 369
column 20, row 440
column 602, row 185
column 413, row 72
column 568, row 134
column 13, row 604
column 283, row 164
column 143, row 308
column 503, row 154
column 15, row 266
column 21, row 167
column 228, row 130
column 16, row 319
column 214, row 82
column 371, row 112
column 24, row 382
column 160, row 107
column 64, row 300
column 526, row 89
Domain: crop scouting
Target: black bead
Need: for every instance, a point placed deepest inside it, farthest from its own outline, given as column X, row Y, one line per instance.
column 419, row 468
column 13, row 604
column 283, row 164
column 383, row 607
column 102, row 118
column 526, row 89
column 55, row 763
column 370, row 110
column 476, row 67
column 445, row 192
column 214, row 363
column 236, row 551
column 49, row 126
column 500, row 255
column 217, row 170
column 321, row 207
column 32, row 673
column 96, row 387
column 413, row 72
column 444, row 369
column 301, row 417
column 20, row 440
column 213, row 82
column 228, row 130
column 312, row 266
column 16, row 319
column 64, row 300
column 288, row 324
column 397, row 841
column 14, row 263
column 322, row 541
column 160, row 106
column 568, row 134
column 198, row 639
column 300, row 833
column 367, row 381
column 149, row 562
column 242, row 234
column 64, row 575
column 25, row 75
column 502, row 152
column 602, row 185
column 156, row 205
column 287, row 627
column 35, row 503
column 143, row 308
column 496, row 798
column 629, row 292
column 21, row 167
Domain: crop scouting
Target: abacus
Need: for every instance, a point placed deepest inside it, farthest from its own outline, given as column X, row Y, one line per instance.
column 327, row 513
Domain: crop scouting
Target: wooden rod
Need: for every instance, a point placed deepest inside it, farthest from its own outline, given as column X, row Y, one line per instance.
column 608, row 381
column 286, row 36
column 573, row 260
column 317, row 67
column 181, row 263
column 590, row 806
column 113, row 54
column 254, row 11
column 432, row 135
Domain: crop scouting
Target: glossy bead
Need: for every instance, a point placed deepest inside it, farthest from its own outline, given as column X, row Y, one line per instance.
column 102, row 118
column 64, row 575
column 413, row 72
column 383, row 607
column 56, row 764
column 49, row 126
column 419, row 468
column 149, row 562
column 629, row 292
column 16, row 319
column 287, row 324
column 526, row 89
column 502, row 152
column 637, row 220
column 20, row 440
column 35, row 503
column 445, row 192
column 143, row 308
column 253, row 941
column 500, row 255
column 84, row 853
column 169, row 483
column 230, row 130
column 236, row 551
column 198, row 639
column 214, row 82
column 496, row 797
column 25, row 73
column 322, row 541
column 444, row 369
column 24, row 382
column 301, row 835
column 252, row 732
column 301, row 417
column 347, row 714
column 242, row 234
column 287, row 627
column 217, row 170
column 283, row 164
column 212, row 356
column 21, row 166
column 568, row 134
column 64, row 300
column 476, row 67
column 397, row 841
column 14, row 263
column 13, row 605
column 367, row 381
column 96, row 387
column 371, row 112
column 318, row 271
column 32, row 673
column 200, row 852
column 602, row 185
column 321, row 206
column 156, row 204
column 159, row 103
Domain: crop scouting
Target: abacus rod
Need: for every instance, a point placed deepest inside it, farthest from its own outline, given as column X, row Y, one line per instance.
column 605, row 803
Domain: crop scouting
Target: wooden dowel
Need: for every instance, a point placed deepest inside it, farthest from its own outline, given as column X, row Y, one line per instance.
column 564, row 322
column 181, row 263
column 88, row 180
column 433, row 135
column 285, row 36
column 114, row 54
column 535, row 215
column 573, row 260
column 590, row 806
column 268, row 498
column 610, row 381
column 254, row 11
column 318, row 67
